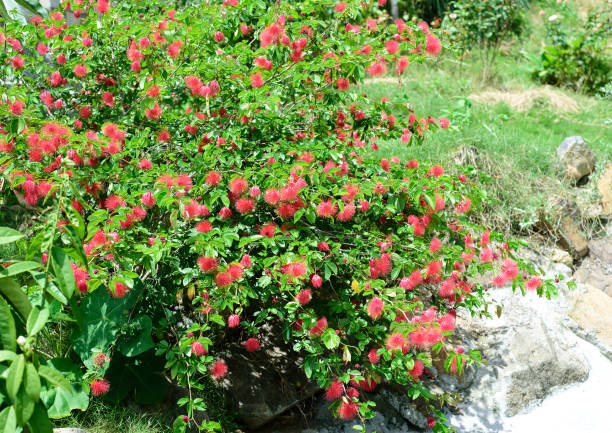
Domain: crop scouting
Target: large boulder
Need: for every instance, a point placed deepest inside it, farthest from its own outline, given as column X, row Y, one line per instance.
column 528, row 351
column 596, row 269
column 604, row 185
column 576, row 158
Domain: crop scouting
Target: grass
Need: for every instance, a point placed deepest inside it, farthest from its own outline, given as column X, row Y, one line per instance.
column 102, row 417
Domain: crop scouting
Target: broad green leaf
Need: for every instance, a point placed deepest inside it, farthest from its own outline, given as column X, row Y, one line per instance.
column 330, row 338
column 99, row 318
column 62, row 271
column 14, row 377
column 54, row 291
column 8, row 235
column 54, row 377
column 7, row 355
column 8, row 420
column 140, row 340
column 58, row 401
column 37, row 320
column 39, row 422
column 31, row 382
column 18, row 268
column 8, row 337
column 16, row 296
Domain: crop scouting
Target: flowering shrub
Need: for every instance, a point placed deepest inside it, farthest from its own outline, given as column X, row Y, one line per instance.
column 189, row 176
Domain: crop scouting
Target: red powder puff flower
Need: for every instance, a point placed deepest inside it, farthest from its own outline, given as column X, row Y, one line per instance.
column 80, row 70
column 109, row 99
column 245, row 205
column 256, row 80
column 219, row 37
column 295, row 269
column 225, row 212
column 417, row 370
column 435, row 245
column 340, row 7
column 348, row 410
column 342, row 84
column 120, row 290
column 392, row 46
column 102, row 6
column 433, row 45
column 252, row 344
column 223, row 279
column 348, row 212
column 148, row 199
column 304, row 296
column 218, row 370
column 377, row 69
column 208, row 264
column 464, row 206
column 154, row 113
column 352, row 392
column 99, row 387
column 238, row 186
column 268, row 230
column 174, row 49
column 213, row 178
column 113, row 202
column 499, row 280
column 326, row 209
column 533, row 283
column 486, row 255
column 233, row 321
column 384, row 265
column 245, row 261
column 375, row 307
column 316, row 280
column 319, row 328
column 510, row 269
column 198, row 349
column 235, row 271
column 203, row 227
column 395, row 341
column 323, row 246
column 373, row 356
column 145, row 164
column 335, row 391
column 100, row 360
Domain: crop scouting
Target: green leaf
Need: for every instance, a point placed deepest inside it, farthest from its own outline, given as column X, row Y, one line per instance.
column 18, row 268
column 11, row 290
column 8, row 337
column 14, row 377
column 31, row 382
column 330, row 338
column 39, row 422
column 7, row 355
column 24, row 407
column 99, row 319
column 58, row 401
column 141, row 341
column 8, row 235
column 8, row 419
column 54, row 377
column 62, row 271
column 37, row 320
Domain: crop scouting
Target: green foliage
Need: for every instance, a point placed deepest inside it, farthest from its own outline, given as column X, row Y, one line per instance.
column 214, row 176
column 483, row 26
column 577, row 56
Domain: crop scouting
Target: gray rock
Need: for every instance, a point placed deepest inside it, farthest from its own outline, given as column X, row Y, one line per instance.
column 576, row 158
column 527, row 355
column 405, row 408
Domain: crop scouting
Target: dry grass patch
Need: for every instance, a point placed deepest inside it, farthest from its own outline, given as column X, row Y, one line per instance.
column 523, row 100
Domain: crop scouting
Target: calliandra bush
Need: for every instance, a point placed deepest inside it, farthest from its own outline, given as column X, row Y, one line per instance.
column 216, row 157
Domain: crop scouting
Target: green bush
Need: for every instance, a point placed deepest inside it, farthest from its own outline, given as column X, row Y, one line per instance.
column 577, row 57
column 187, row 177
column 482, row 26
